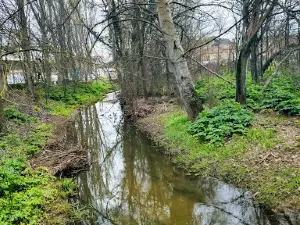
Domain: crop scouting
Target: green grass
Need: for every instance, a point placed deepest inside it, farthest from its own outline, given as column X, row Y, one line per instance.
column 84, row 94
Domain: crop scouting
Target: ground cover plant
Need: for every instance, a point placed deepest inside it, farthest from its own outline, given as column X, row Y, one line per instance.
column 221, row 122
column 63, row 101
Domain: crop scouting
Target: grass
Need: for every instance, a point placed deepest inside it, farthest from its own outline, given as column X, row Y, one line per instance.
column 239, row 161
column 60, row 104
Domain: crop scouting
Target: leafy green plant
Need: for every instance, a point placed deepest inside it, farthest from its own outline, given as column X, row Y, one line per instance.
column 12, row 113
column 26, row 194
column 212, row 91
column 289, row 107
column 23, row 191
column 218, row 123
column 68, row 186
column 36, row 140
column 274, row 97
column 282, row 96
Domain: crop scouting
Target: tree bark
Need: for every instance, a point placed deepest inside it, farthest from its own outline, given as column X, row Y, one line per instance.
column 251, row 26
column 2, row 89
column 25, row 44
column 241, row 70
column 178, row 64
column 254, row 70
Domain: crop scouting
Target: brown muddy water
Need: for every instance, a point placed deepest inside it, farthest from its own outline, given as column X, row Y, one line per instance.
column 130, row 182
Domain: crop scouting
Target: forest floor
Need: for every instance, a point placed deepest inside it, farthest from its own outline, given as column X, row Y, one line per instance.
column 266, row 160
column 34, row 150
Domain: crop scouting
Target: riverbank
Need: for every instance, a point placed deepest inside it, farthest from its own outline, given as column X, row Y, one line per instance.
column 265, row 160
column 34, row 149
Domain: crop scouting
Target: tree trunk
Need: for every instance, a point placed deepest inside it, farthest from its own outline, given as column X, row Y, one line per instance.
column 241, row 78
column 2, row 89
column 254, row 70
column 179, row 67
column 25, row 45
column 287, row 34
column 143, row 75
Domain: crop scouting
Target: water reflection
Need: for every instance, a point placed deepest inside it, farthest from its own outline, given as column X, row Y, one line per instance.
column 129, row 182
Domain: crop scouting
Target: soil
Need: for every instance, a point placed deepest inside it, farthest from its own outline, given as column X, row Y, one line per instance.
column 286, row 153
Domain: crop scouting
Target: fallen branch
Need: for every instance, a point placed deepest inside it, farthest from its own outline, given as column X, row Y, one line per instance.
column 274, row 74
column 209, row 70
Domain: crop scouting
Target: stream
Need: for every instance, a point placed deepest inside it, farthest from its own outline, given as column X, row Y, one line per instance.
column 130, row 182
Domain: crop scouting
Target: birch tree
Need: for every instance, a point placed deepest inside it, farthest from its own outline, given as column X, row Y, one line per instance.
column 178, row 63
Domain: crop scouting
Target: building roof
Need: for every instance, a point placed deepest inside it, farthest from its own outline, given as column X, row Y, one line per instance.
column 221, row 41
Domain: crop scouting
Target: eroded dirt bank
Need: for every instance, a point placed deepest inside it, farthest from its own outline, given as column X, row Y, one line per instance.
column 62, row 157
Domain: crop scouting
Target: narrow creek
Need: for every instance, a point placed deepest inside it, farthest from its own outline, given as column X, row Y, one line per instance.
column 129, row 181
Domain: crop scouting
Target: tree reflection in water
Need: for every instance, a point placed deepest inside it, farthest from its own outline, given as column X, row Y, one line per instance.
column 130, row 182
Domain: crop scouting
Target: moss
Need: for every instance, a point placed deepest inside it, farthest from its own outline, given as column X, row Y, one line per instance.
column 240, row 161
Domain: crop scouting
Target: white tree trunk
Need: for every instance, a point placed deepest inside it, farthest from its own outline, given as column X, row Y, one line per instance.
column 178, row 64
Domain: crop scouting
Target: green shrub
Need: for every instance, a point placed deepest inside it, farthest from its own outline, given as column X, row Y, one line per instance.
column 15, row 115
column 289, row 107
column 274, row 97
column 212, row 91
column 282, row 96
column 68, row 186
column 220, row 122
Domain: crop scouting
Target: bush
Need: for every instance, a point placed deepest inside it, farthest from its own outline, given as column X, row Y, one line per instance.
column 221, row 122
column 282, row 96
column 289, row 107
column 15, row 115
column 274, row 97
column 212, row 91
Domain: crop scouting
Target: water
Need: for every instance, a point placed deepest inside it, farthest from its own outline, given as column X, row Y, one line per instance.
column 130, row 182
